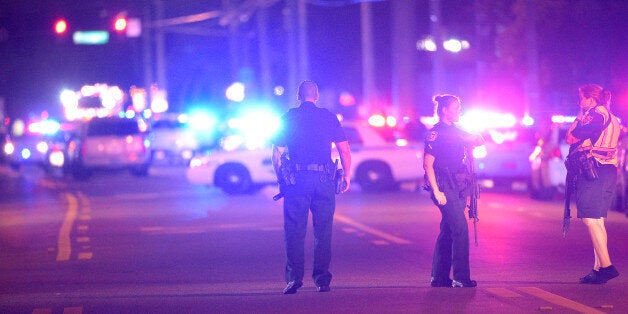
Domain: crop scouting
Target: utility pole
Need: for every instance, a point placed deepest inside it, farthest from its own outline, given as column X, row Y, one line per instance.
column 404, row 58
column 160, row 46
column 438, row 71
column 298, row 60
column 531, row 84
column 264, row 53
column 369, row 88
column 147, row 50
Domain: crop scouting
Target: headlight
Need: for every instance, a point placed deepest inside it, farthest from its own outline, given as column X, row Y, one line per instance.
column 42, row 147
column 9, row 148
column 56, row 159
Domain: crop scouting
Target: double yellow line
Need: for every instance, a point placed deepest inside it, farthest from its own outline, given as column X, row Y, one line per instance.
column 64, row 241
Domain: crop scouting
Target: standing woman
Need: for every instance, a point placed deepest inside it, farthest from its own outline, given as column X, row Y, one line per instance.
column 595, row 133
column 446, row 176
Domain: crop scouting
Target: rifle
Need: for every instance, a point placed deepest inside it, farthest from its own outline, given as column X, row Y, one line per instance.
column 474, row 194
column 570, row 184
column 286, row 171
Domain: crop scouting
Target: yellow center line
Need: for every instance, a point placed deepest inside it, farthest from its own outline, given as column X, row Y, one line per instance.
column 373, row 231
column 64, row 243
column 558, row 300
column 504, row 293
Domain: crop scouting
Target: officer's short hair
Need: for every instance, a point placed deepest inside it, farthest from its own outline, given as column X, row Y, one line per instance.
column 307, row 89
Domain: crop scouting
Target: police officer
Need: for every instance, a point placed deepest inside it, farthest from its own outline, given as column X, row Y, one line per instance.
column 595, row 134
column 447, row 177
column 307, row 134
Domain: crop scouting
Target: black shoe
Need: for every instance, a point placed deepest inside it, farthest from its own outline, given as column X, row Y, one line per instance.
column 464, row 283
column 440, row 282
column 607, row 273
column 590, row 277
column 323, row 289
column 292, row 287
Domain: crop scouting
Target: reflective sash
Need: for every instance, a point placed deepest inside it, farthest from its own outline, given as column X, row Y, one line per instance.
column 605, row 148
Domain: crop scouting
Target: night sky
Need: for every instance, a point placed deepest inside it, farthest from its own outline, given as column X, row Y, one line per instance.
column 579, row 41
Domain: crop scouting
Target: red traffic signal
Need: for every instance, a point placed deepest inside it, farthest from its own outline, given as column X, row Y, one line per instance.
column 61, row 26
column 120, row 24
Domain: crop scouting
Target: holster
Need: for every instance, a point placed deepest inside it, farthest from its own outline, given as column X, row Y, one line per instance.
column 287, row 172
column 580, row 163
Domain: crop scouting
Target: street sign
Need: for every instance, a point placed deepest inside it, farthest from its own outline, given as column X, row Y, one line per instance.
column 90, row 37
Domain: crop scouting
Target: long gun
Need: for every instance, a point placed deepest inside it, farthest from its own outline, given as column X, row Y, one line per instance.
column 570, row 185
column 287, row 176
column 474, row 194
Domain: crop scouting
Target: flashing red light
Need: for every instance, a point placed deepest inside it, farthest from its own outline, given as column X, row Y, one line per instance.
column 346, row 99
column 61, row 27
column 120, row 24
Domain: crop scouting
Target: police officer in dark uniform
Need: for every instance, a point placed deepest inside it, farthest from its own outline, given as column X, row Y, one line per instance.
column 306, row 135
column 447, row 177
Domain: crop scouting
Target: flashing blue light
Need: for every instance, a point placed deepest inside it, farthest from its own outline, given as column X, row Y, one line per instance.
column 201, row 121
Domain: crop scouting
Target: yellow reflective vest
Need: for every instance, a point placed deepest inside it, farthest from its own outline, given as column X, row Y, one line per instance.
column 604, row 150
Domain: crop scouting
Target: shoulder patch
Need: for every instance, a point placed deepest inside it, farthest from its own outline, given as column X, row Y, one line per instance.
column 432, row 136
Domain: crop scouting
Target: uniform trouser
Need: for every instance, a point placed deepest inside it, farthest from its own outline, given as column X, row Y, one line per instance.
column 310, row 193
column 452, row 244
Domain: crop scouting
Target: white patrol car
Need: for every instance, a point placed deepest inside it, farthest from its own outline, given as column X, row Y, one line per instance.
column 377, row 164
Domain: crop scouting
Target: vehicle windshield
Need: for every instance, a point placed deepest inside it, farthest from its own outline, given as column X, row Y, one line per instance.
column 113, row 127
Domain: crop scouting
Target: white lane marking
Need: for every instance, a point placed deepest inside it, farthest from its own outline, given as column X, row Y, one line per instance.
column 144, row 196
column 64, row 244
column 372, row 231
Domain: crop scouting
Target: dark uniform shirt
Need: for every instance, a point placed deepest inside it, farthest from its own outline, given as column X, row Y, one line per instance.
column 445, row 142
column 307, row 132
column 591, row 126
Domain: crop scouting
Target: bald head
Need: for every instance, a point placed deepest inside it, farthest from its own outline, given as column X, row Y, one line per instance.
column 308, row 91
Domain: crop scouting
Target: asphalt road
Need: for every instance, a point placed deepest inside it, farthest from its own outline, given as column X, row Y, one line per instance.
column 122, row 244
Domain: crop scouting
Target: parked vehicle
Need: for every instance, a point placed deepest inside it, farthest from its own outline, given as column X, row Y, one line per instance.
column 172, row 142
column 548, row 171
column 377, row 163
column 25, row 149
column 110, row 144
column 503, row 159
column 547, row 163
column 29, row 143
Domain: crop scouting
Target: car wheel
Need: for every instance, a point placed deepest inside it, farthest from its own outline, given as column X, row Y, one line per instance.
column 374, row 176
column 233, row 179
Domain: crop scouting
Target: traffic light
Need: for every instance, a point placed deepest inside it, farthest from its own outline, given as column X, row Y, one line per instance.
column 120, row 24
column 61, row 27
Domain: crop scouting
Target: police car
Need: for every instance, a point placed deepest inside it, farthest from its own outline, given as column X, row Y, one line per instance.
column 377, row 163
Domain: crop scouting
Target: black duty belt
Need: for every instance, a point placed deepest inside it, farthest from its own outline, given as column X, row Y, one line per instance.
column 309, row 167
